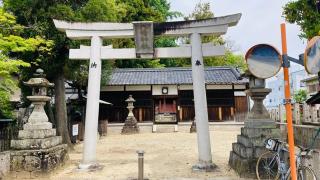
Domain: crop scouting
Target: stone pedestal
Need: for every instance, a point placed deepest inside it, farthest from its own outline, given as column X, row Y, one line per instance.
column 130, row 124
column 193, row 128
column 250, row 143
column 37, row 148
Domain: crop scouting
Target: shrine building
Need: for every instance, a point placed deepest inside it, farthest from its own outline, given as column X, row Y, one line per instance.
column 165, row 95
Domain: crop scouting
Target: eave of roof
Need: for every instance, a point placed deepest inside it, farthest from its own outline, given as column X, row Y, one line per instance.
column 168, row 76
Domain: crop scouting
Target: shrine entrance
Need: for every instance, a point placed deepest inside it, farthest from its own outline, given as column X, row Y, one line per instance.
column 144, row 33
column 165, row 109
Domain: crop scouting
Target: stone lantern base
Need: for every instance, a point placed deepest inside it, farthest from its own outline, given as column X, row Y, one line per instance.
column 250, row 143
column 37, row 151
column 130, row 126
column 249, row 146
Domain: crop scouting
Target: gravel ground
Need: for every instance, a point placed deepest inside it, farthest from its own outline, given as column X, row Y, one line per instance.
column 167, row 156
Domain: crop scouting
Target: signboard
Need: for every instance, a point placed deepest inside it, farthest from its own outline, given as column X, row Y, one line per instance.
column 312, row 56
column 264, row 61
column 75, row 130
column 143, row 32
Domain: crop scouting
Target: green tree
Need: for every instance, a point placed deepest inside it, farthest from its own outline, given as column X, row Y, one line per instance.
column 146, row 10
column 13, row 52
column 202, row 11
column 300, row 96
column 37, row 15
column 306, row 13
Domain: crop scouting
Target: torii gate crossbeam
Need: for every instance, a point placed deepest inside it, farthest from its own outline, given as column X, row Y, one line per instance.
column 96, row 32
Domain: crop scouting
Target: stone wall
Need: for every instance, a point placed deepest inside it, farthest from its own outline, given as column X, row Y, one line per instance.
column 303, row 136
column 4, row 163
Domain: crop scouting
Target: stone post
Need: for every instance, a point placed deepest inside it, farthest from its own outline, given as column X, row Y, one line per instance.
column 89, row 160
column 200, row 102
column 130, row 124
column 193, row 128
column 257, row 128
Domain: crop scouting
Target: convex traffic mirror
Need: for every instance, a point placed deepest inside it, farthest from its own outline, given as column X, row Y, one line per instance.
column 264, row 61
column 312, row 56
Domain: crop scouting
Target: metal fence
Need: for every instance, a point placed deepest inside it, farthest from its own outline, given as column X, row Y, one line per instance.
column 6, row 134
column 301, row 114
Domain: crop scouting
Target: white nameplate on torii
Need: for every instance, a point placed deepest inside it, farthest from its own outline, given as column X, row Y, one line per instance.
column 107, row 52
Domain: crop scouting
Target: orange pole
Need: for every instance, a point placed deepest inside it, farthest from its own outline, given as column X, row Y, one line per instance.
column 288, row 106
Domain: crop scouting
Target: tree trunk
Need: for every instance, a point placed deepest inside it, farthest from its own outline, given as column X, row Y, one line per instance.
column 49, row 112
column 61, row 110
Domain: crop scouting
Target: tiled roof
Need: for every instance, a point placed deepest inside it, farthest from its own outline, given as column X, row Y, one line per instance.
column 150, row 76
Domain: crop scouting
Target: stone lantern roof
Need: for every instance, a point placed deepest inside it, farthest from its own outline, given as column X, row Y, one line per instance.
column 38, row 80
column 130, row 99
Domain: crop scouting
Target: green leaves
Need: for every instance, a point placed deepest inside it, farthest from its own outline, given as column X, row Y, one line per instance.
column 300, row 96
column 305, row 14
column 15, row 55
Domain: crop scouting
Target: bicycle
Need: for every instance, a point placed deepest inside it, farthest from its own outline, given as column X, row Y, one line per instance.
column 271, row 165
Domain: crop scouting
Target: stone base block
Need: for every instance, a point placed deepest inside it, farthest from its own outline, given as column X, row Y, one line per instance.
column 251, row 142
column 130, row 126
column 204, row 167
column 248, row 148
column 193, row 128
column 36, row 134
column 244, row 167
column 42, row 125
column 38, row 161
column 248, row 152
column 36, row 143
column 260, row 132
column 260, row 123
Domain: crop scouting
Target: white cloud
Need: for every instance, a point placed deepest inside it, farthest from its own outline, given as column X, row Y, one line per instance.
column 260, row 22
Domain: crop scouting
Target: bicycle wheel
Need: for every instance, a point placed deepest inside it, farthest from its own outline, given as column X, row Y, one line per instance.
column 305, row 173
column 268, row 166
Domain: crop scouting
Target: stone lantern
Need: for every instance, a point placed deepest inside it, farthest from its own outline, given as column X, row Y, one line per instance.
column 130, row 124
column 257, row 128
column 37, row 148
column 38, row 118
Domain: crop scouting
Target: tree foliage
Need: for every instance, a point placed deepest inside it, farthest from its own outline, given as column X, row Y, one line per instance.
column 13, row 52
column 38, row 15
column 300, row 96
column 306, row 13
column 203, row 11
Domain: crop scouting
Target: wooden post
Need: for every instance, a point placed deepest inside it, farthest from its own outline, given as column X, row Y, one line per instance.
column 140, row 114
column 305, row 112
column 180, row 114
column 282, row 114
column 296, row 114
column 232, row 113
column 314, row 114
column 288, row 105
column 220, row 113
column 317, row 120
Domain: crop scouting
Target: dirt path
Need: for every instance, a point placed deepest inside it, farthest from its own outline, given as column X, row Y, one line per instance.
column 167, row 155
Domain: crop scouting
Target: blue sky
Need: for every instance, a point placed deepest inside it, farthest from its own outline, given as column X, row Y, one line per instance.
column 260, row 22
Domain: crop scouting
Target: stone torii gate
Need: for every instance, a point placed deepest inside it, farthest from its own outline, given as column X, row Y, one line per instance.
column 144, row 32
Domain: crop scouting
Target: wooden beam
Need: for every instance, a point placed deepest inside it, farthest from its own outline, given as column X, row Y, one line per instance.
column 108, row 53
column 215, row 26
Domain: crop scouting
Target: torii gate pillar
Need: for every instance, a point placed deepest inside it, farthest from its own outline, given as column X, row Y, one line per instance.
column 200, row 104
column 92, row 112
